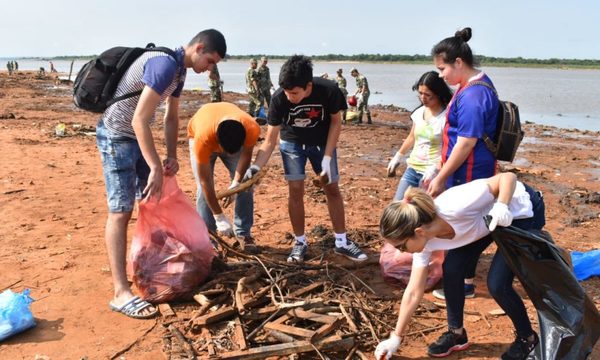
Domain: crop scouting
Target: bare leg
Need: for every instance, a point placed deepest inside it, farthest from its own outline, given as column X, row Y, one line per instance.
column 335, row 205
column 296, row 206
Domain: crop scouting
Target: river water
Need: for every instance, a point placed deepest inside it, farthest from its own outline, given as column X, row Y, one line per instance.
column 566, row 98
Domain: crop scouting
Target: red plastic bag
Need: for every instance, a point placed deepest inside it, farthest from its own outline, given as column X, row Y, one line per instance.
column 396, row 266
column 171, row 253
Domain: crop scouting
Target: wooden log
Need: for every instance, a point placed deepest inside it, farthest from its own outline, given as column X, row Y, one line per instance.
column 292, row 330
column 189, row 350
column 165, row 310
column 243, row 186
column 284, row 338
column 208, row 338
column 331, row 343
column 239, row 334
column 221, row 314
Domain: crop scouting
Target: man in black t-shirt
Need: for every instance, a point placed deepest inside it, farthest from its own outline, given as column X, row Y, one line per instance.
column 307, row 112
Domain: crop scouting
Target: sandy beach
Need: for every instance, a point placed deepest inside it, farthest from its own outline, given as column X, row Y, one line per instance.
column 53, row 210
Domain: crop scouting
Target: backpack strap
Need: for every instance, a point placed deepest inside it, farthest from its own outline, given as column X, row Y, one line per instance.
column 489, row 143
column 149, row 47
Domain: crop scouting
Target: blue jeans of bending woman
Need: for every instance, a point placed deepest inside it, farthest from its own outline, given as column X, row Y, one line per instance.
column 500, row 277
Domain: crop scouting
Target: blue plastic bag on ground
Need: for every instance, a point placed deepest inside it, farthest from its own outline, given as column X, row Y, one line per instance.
column 586, row 264
column 15, row 315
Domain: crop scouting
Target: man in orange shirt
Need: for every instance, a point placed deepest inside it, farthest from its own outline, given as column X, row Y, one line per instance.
column 222, row 130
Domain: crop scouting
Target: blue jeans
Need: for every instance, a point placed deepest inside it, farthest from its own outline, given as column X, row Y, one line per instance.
column 294, row 158
column 410, row 178
column 500, row 277
column 243, row 214
column 124, row 168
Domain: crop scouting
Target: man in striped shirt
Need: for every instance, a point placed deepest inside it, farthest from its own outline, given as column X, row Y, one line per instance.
column 131, row 165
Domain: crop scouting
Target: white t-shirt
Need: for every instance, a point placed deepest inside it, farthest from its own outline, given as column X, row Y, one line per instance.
column 427, row 149
column 464, row 207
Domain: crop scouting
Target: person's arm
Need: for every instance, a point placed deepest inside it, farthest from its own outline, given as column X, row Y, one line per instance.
column 208, row 188
column 147, row 104
column 243, row 163
column 335, row 128
column 502, row 186
column 171, row 165
column 267, row 147
column 409, row 142
column 459, row 155
column 410, row 302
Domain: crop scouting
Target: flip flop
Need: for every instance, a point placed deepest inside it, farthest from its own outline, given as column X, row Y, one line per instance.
column 133, row 308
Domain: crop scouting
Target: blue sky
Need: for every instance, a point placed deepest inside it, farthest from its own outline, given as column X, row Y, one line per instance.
column 503, row 28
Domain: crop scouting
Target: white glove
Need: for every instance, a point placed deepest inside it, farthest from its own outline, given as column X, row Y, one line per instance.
column 231, row 198
column 223, row 225
column 430, row 173
column 500, row 215
column 394, row 163
column 252, row 170
column 326, row 168
column 387, row 348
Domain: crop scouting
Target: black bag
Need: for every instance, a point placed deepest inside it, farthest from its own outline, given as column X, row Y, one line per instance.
column 97, row 80
column 508, row 129
column 569, row 321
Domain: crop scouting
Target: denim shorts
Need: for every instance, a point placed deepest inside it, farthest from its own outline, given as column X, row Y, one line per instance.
column 294, row 158
column 124, row 168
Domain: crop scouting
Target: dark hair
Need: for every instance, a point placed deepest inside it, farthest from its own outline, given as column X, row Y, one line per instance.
column 455, row 47
column 436, row 84
column 231, row 135
column 296, row 71
column 213, row 41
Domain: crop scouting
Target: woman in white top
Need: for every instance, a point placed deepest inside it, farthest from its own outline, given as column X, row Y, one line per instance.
column 423, row 145
column 455, row 219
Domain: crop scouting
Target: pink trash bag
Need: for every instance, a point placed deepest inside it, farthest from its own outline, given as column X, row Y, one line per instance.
column 171, row 253
column 396, row 266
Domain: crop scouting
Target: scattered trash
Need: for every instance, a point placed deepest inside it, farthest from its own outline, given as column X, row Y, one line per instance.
column 586, row 264
column 60, row 129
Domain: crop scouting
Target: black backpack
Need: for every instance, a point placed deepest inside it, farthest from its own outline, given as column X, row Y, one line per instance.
column 97, row 80
column 508, row 129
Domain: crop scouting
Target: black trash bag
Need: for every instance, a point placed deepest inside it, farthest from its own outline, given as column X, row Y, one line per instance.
column 569, row 321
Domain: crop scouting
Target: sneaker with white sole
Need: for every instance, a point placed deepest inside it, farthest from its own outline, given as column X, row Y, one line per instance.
column 298, row 252
column 448, row 343
column 469, row 292
column 351, row 251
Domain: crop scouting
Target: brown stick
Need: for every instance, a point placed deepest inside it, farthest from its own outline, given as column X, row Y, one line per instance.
column 243, row 186
column 189, row 350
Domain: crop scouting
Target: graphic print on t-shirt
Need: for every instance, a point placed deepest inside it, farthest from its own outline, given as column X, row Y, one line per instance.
column 305, row 116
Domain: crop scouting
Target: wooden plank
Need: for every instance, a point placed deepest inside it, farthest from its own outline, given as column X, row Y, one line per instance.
column 165, row 310
column 221, row 314
column 284, row 338
column 291, row 330
column 307, row 289
column 303, row 314
column 239, row 334
column 351, row 323
column 205, row 333
column 296, row 347
column 327, row 328
column 257, row 314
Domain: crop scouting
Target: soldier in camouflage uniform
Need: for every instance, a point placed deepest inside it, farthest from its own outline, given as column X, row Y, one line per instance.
column 341, row 81
column 215, row 84
column 264, row 81
column 253, row 89
column 362, row 93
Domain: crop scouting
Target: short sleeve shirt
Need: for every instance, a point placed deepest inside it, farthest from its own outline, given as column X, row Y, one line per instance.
column 307, row 122
column 472, row 112
column 203, row 128
column 428, row 140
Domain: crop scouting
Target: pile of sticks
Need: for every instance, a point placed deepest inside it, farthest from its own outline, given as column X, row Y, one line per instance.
column 255, row 307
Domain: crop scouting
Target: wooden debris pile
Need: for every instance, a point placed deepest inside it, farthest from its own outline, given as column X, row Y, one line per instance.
column 257, row 308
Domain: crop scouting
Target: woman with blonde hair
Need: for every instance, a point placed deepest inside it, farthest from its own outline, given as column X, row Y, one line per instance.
column 455, row 220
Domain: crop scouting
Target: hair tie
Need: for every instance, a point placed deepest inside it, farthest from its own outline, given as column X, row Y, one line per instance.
column 407, row 200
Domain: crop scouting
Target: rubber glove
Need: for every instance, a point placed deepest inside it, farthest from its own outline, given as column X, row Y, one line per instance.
column 394, row 163
column 326, row 168
column 500, row 215
column 387, row 348
column 252, row 170
column 223, row 225
column 231, row 198
column 430, row 173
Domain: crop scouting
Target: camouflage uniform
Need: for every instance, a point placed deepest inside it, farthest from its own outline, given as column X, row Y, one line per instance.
column 252, row 89
column 9, row 67
column 264, row 83
column 215, row 85
column 363, row 97
column 341, row 81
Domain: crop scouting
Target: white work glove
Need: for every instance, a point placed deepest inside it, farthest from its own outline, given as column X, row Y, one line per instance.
column 252, row 170
column 394, row 163
column 231, row 198
column 387, row 348
column 430, row 173
column 223, row 225
column 500, row 215
column 326, row 168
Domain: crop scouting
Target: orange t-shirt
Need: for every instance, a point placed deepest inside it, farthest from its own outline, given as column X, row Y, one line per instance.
column 203, row 128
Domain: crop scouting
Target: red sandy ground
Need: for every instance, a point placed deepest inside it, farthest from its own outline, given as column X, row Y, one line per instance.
column 53, row 209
